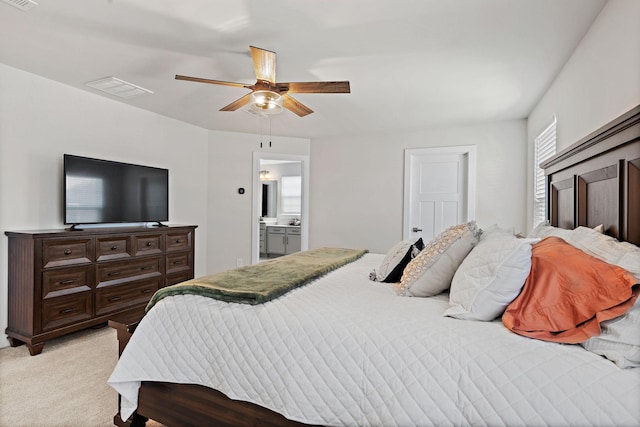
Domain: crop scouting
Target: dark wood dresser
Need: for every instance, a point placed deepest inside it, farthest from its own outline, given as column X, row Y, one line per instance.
column 62, row 281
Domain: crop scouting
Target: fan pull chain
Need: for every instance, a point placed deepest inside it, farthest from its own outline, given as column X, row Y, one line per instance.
column 269, row 132
column 260, row 127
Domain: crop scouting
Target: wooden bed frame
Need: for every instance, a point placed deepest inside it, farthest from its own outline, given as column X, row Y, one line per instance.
column 594, row 181
column 597, row 180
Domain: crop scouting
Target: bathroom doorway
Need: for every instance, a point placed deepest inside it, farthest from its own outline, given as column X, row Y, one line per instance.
column 280, row 197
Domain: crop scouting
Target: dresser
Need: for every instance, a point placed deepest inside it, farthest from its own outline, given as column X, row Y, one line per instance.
column 61, row 281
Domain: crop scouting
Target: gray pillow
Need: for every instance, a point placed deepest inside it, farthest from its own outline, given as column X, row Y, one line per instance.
column 390, row 271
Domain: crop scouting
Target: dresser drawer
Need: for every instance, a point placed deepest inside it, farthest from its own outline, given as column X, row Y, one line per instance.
column 56, row 283
column 178, row 241
column 66, row 310
column 66, row 252
column 293, row 231
column 120, row 271
column 178, row 278
column 120, row 297
column 178, row 262
column 276, row 230
column 113, row 248
column 147, row 244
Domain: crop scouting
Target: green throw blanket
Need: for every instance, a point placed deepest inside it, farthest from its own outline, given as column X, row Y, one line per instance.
column 262, row 282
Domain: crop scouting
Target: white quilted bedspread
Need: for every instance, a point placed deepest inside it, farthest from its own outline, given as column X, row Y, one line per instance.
column 347, row 351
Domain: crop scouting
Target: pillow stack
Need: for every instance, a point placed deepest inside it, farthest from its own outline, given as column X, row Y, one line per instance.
column 566, row 301
column 569, row 286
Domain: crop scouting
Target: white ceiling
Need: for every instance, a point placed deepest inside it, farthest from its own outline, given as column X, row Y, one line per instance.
column 412, row 64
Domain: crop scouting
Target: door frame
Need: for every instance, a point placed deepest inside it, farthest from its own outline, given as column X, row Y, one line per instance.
column 304, row 215
column 409, row 153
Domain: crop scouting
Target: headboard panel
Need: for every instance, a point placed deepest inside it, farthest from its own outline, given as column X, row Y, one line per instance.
column 597, row 180
column 633, row 227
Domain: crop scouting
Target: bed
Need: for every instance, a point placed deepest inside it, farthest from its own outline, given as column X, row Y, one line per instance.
column 345, row 350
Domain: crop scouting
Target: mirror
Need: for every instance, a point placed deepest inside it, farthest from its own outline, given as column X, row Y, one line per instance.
column 269, row 202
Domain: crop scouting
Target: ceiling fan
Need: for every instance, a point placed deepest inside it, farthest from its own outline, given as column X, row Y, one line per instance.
column 267, row 96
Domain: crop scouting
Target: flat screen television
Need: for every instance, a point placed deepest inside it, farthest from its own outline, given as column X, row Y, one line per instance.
column 102, row 191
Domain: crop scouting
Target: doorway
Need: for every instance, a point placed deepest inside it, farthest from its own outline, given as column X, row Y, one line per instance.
column 264, row 172
column 439, row 190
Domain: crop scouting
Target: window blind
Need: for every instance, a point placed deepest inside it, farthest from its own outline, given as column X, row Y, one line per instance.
column 291, row 194
column 544, row 148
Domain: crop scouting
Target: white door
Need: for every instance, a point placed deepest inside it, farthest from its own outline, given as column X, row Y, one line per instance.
column 439, row 190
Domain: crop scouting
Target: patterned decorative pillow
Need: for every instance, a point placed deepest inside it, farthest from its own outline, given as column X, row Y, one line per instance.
column 396, row 260
column 430, row 272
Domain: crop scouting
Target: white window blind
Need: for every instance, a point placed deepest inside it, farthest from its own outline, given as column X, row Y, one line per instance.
column 291, row 195
column 544, row 147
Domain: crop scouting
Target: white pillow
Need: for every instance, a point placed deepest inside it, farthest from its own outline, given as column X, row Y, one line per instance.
column 543, row 230
column 430, row 272
column 494, row 230
column 620, row 339
column 607, row 248
column 490, row 277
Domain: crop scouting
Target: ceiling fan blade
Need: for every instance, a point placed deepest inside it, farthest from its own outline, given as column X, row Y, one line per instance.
column 314, row 87
column 264, row 64
column 215, row 82
column 295, row 106
column 238, row 103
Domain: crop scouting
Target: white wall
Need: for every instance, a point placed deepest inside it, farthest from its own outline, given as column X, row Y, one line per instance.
column 600, row 81
column 231, row 167
column 40, row 120
column 357, row 182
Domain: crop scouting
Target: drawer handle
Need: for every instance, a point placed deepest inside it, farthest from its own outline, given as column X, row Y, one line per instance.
column 113, row 273
column 178, row 262
column 178, row 241
column 146, row 291
column 68, row 310
column 66, row 282
column 112, row 299
column 148, row 244
column 114, row 247
column 145, row 268
column 67, row 251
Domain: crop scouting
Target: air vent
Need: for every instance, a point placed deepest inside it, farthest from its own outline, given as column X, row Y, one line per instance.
column 22, row 4
column 117, row 87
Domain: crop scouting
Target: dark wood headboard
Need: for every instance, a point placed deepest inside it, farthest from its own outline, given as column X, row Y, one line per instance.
column 597, row 180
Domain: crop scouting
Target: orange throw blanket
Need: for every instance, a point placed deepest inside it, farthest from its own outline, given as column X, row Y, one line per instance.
column 568, row 293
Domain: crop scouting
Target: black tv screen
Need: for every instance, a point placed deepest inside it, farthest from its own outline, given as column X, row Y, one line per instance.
column 101, row 191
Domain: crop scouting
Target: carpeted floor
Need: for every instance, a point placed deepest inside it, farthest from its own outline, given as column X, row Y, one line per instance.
column 65, row 385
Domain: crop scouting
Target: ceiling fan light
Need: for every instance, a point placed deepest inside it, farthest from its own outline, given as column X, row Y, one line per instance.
column 266, row 102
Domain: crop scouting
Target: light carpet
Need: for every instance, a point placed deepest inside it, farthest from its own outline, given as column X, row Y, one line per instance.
column 65, row 385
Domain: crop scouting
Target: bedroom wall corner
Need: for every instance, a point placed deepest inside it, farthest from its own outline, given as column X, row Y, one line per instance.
column 40, row 120
column 229, row 213
column 599, row 82
column 357, row 182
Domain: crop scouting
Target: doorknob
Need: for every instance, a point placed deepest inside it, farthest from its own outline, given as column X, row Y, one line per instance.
column 416, row 229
